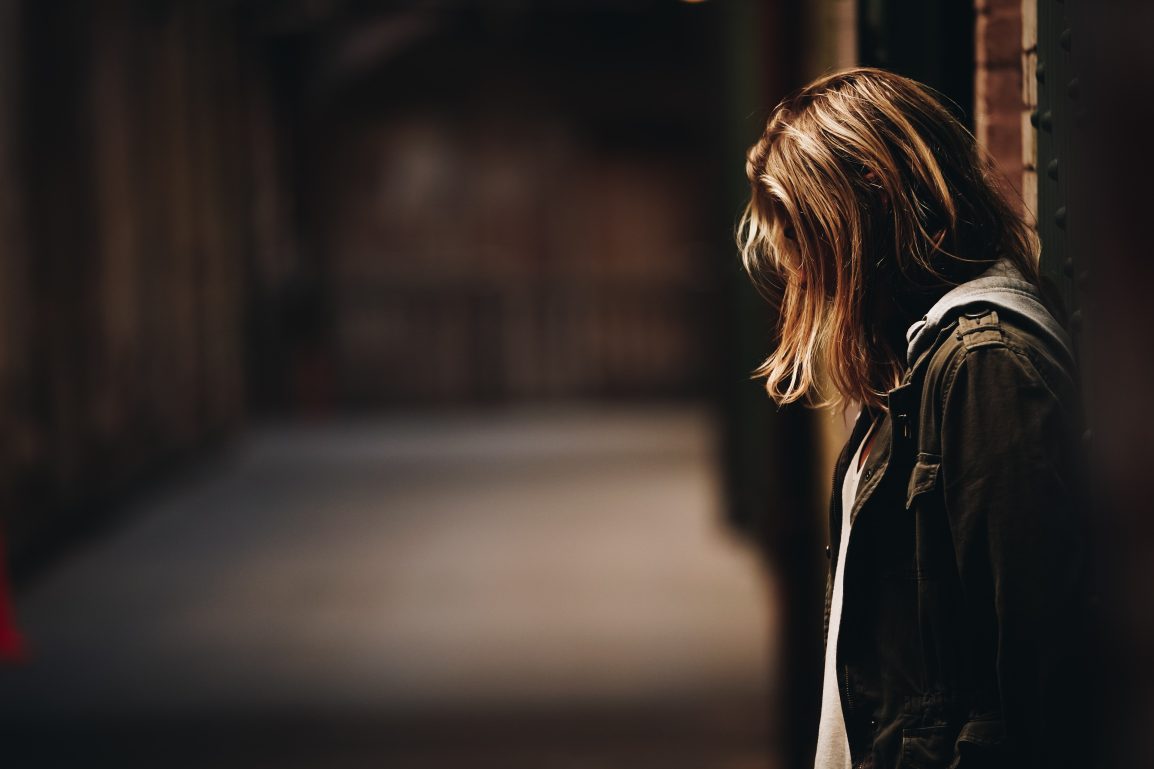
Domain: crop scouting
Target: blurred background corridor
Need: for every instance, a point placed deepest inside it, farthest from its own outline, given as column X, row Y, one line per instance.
column 363, row 370
column 536, row 588
column 375, row 375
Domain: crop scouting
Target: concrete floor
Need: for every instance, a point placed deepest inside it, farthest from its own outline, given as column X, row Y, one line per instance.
column 536, row 588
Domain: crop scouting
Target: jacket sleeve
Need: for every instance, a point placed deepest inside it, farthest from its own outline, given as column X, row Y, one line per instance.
column 1010, row 449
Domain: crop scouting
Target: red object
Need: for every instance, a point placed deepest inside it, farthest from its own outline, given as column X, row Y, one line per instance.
column 11, row 644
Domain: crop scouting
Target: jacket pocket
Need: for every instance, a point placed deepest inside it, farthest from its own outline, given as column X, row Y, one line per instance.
column 927, row 747
column 923, row 477
column 982, row 744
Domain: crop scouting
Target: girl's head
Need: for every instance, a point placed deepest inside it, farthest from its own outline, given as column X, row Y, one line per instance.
column 869, row 200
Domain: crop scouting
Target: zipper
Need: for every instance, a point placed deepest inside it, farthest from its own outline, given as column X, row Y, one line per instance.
column 849, row 709
column 848, row 693
column 849, row 705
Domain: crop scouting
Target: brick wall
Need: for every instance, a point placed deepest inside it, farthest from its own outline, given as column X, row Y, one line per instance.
column 1004, row 89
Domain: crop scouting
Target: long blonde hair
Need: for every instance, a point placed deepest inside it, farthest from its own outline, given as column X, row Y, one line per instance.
column 869, row 200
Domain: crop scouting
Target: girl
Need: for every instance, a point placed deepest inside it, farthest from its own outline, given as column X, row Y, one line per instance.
column 906, row 282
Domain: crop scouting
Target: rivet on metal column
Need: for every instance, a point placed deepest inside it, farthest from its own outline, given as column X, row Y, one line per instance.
column 1059, row 91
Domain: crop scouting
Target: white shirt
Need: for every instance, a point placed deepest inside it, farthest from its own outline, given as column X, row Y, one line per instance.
column 832, row 742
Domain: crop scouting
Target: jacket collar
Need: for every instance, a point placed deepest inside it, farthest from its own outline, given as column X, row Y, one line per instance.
column 1001, row 286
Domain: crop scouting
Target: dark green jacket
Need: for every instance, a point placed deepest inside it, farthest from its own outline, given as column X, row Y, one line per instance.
column 964, row 636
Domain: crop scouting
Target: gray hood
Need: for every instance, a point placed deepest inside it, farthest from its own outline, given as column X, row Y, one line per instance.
column 1002, row 287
